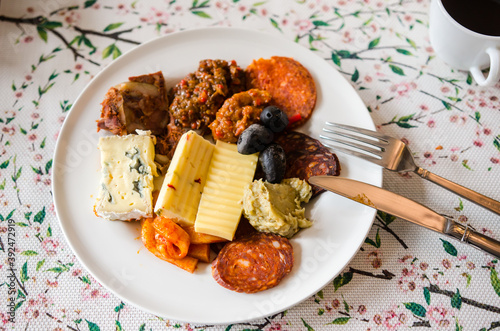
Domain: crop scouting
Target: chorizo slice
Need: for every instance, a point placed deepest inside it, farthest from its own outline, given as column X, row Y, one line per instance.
column 253, row 263
column 290, row 84
column 307, row 157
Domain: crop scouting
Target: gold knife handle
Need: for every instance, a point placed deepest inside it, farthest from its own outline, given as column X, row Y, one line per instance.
column 469, row 194
column 475, row 239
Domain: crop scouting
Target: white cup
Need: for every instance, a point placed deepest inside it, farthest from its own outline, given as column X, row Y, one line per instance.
column 462, row 48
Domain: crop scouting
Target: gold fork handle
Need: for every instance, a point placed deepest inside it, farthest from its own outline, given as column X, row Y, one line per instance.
column 469, row 194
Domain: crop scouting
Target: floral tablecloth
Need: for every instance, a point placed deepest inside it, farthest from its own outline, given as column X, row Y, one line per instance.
column 402, row 277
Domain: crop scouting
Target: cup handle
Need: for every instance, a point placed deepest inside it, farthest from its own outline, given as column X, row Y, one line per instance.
column 494, row 74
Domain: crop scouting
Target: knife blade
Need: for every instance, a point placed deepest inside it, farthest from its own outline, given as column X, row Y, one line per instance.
column 406, row 209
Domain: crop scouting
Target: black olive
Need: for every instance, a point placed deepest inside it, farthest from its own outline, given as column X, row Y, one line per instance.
column 273, row 163
column 254, row 139
column 274, row 118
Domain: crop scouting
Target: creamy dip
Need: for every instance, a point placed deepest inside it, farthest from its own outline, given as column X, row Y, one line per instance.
column 276, row 208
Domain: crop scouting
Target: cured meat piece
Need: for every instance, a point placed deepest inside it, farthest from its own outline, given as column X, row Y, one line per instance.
column 238, row 113
column 253, row 263
column 306, row 157
column 289, row 83
column 141, row 103
column 197, row 97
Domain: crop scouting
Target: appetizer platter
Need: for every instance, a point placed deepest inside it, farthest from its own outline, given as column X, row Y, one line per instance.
column 128, row 250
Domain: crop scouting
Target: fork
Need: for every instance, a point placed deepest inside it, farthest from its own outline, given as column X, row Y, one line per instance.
column 394, row 155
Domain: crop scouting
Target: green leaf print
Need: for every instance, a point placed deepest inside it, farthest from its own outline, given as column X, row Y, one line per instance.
column 449, row 248
column 495, row 282
column 24, row 272
column 40, row 216
column 201, row 14
column 386, row 218
column 447, row 105
column 404, row 51
column 336, row 59
column 29, row 253
column 496, row 142
column 143, row 327
column 92, row 326
column 275, row 24
column 340, row 321
column 373, row 43
column 320, row 23
column 113, row 26
column 355, row 75
column 427, row 295
column 416, row 309
column 397, row 70
column 42, row 33
column 4, row 164
column 342, row 280
column 89, row 3
column 309, row 328
column 456, row 300
column 108, row 51
column 48, row 165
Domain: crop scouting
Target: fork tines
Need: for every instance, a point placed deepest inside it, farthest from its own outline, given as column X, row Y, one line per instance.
column 368, row 141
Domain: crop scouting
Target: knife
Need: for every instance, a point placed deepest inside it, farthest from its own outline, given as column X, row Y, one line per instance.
column 406, row 209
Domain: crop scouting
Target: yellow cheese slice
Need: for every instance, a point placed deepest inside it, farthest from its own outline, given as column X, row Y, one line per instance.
column 187, row 174
column 220, row 207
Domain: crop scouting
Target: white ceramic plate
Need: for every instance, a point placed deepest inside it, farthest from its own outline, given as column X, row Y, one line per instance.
column 112, row 251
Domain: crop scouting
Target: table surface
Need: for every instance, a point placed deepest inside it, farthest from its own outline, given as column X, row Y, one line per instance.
column 403, row 276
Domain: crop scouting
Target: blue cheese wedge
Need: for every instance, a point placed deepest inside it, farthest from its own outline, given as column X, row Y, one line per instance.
column 128, row 167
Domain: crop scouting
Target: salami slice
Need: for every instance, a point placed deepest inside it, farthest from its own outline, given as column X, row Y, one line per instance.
column 295, row 93
column 307, row 157
column 253, row 263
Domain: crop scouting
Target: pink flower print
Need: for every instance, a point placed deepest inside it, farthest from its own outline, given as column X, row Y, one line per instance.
column 35, row 116
column 89, row 293
column 28, row 39
column 19, row 94
column 32, row 137
column 9, row 130
column 303, row 25
column 431, row 123
column 335, row 303
column 52, row 284
column 403, row 88
column 470, row 265
column 495, row 160
column 478, row 143
column 50, row 245
column 391, row 320
column 445, row 89
column 347, row 37
column 446, row 264
column 362, row 309
column 438, row 316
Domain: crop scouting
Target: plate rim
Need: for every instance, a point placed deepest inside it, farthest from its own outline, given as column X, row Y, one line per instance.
column 58, row 154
